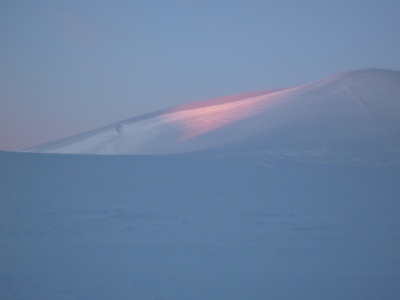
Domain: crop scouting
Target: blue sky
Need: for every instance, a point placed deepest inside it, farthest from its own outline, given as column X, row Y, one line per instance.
column 71, row 66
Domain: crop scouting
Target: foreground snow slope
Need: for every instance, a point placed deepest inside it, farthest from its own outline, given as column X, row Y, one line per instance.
column 359, row 106
column 196, row 227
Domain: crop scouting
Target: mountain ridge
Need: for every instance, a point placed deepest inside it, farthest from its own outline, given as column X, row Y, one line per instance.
column 361, row 102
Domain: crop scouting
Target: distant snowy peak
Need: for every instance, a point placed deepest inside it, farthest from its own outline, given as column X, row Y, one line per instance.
column 357, row 105
column 169, row 131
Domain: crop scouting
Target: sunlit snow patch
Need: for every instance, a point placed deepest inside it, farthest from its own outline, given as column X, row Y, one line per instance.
column 195, row 122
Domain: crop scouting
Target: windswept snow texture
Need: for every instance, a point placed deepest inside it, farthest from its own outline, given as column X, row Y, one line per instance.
column 359, row 106
column 196, row 227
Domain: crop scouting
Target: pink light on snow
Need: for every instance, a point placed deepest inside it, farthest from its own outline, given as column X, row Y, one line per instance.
column 202, row 119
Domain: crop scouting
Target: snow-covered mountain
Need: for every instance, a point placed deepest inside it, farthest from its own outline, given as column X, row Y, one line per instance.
column 280, row 204
column 353, row 108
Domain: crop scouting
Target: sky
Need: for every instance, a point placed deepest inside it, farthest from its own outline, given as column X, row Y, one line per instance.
column 71, row 66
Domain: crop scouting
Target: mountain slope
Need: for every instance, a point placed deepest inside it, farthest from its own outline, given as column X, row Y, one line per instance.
column 361, row 106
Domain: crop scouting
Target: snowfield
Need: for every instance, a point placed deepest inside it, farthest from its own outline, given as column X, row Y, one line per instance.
column 196, row 227
column 294, row 196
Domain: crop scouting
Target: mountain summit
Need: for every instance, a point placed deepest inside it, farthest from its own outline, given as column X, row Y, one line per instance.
column 349, row 110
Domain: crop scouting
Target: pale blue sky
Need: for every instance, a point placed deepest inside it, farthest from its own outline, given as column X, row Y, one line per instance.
column 71, row 66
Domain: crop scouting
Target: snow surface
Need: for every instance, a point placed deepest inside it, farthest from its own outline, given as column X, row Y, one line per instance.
column 197, row 227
